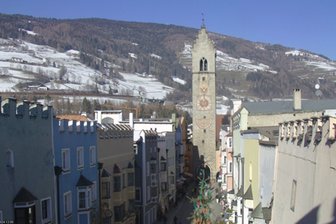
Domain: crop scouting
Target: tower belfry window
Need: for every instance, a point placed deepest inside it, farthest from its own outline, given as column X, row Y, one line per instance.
column 203, row 65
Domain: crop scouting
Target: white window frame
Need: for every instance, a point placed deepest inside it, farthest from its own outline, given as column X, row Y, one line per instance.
column 93, row 155
column 87, row 193
column 80, row 157
column 49, row 210
column 10, row 158
column 65, row 195
column 66, row 165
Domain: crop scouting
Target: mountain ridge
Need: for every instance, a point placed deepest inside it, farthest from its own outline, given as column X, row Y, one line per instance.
column 245, row 68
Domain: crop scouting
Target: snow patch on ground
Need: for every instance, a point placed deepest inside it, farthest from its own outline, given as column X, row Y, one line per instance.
column 145, row 87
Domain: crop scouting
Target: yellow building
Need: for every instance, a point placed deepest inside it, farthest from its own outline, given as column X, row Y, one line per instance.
column 115, row 152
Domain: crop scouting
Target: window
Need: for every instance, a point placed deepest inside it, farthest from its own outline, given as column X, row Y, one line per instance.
column 106, row 193
column 135, row 149
column 224, row 162
column 130, row 179
column 153, row 168
column 148, row 196
column 153, row 180
column 154, row 192
column 230, row 142
column 93, row 158
column 293, row 195
column 80, row 157
column 116, row 183
column 137, row 194
column 164, row 186
column 65, row 160
column 230, row 167
column 67, row 203
column 46, row 210
column 94, row 191
column 250, row 171
column 119, row 212
column 124, row 180
column 84, row 198
column 131, row 205
column 172, row 180
column 1, row 217
column 163, row 166
column 203, row 65
column 10, row 158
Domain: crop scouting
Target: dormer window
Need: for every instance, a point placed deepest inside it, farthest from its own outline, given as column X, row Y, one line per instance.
column 203, row 65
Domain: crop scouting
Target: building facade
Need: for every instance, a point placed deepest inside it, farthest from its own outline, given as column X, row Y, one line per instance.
column 26, row 163
column 75, row 145
column 257, row 115
column 146, row 176
column 204, row 99
column 305, row 171
column 116, row 153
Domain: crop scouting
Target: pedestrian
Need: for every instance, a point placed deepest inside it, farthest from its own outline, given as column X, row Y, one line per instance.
column 175, row 220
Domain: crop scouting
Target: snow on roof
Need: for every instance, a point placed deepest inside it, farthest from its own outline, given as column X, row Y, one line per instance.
column 132, row 55
column 28, row 32
column 156, row 56
column 178, row 80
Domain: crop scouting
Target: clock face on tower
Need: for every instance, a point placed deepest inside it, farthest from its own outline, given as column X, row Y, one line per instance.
column 203, row 103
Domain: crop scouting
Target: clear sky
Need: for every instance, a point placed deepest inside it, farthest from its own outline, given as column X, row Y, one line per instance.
column 306, row 24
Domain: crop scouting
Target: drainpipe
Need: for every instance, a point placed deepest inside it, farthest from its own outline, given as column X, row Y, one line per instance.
column 58, row 171
column 100, row 167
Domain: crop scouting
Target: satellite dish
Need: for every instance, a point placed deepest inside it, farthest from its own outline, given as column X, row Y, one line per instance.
column 317, row 86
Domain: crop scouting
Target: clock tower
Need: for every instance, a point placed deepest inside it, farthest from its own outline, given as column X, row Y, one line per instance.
column 204, row 99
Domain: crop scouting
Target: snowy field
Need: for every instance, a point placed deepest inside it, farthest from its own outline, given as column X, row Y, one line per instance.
column 23, row 62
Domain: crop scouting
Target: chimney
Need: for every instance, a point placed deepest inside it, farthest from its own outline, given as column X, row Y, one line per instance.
column 131, row 123
column 297, row 99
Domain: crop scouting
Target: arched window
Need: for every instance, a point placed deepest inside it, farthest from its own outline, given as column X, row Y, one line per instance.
column 203, row 64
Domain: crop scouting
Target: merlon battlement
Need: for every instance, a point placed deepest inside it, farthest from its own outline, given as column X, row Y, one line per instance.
column 10, row 108
column 76, row 126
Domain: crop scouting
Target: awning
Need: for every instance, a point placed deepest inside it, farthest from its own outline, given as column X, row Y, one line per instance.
column 248, row 194
column 24, row 196
column 83, row 182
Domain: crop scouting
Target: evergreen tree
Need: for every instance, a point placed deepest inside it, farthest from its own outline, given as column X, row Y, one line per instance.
column 202, row 211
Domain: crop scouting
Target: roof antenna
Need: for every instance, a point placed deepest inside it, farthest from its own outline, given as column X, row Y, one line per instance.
column 203, row 22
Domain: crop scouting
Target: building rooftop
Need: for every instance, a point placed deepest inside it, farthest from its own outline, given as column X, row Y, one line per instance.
column 74, row 117
column 276, row 107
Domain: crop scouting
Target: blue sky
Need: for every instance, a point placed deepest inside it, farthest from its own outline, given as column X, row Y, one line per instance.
column 308, row 24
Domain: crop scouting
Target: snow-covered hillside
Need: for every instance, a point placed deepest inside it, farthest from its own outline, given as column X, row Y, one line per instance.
column 27, row 66
column 313, row 60
column 229, row 63
column 226, row 62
